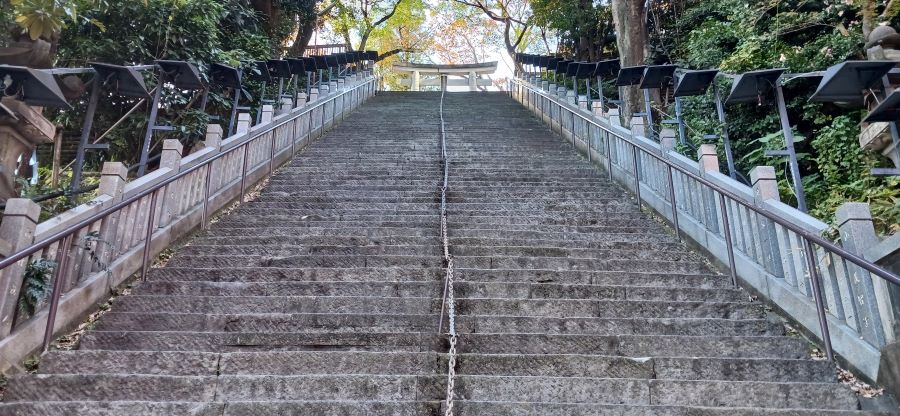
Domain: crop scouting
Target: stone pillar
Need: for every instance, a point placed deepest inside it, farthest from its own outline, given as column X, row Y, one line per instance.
column 872, row 293
column 243, row 123
column 666, row 141
column 638, row 126
column 301, row 100
column 112, row 183
column 708, row 158
column 582, row 102
column 545, row 85
column 17, row 232
column 561, row 91
column 472, row 84
column 415, row 81
column 614, row 117
column 214, row 135
column 313, row 95
column 597, row 109
column 571, row 97
column 765, row 184
column 267, row 113
column 171, row 202
column 765, row 188
column 341, row 84
column 114, row 177
column 287, row 104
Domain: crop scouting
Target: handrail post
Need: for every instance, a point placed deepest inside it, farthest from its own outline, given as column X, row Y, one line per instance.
column 244, row 172
column 726, row 231
column 148, row 236
column 817, row 296
column 674, row 202
column 666, row 144
column 204, row 220
column 59, row 280
column 637, row 174
column 609, row 164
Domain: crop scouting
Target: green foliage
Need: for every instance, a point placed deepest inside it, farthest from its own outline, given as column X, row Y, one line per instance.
column 799, row 35
column 585, row 28
column 46, row 18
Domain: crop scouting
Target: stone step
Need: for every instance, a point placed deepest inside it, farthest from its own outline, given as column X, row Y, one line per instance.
column 241, row 363
column 596, row 277
column 636, row 345
column 532, row 408
column 233, row 341
column 706, row 393
column 307, row 261
column 108, row 408
column 556, row 263
column 113, row 387
column 269, row 322
column 277, row 304
column 434, row 289
column 560, row 308
column 289, row 274
column 660, row 367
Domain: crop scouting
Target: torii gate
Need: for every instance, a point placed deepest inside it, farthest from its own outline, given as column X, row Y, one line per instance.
column 438, row 75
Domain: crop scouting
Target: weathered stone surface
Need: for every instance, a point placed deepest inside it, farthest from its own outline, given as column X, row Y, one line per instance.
column 323, row 295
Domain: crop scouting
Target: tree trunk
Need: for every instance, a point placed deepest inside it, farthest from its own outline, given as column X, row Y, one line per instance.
column 631, row 27
column 306, row 33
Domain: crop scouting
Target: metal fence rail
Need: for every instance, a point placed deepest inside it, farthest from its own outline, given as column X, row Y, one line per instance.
column 826, row 288
column 103, row 242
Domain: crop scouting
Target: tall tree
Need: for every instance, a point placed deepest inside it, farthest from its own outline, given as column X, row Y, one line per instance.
column 514, row 15
column 360, row 19
column 630, row 19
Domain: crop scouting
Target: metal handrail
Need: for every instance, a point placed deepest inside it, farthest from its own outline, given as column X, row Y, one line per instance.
column 106, row 212
column 809, row 238
column 246, row 138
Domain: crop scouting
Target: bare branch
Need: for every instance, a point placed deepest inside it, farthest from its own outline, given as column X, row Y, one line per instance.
column 388, row 16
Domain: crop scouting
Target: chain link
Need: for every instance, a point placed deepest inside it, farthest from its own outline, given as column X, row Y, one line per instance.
column 449, row 300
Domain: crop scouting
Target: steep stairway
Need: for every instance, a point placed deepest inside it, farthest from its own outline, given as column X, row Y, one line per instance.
column 320, row 297
column 574, row 302
column 323, row 295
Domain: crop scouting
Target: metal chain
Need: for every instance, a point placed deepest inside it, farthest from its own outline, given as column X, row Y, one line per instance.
column 449, row 299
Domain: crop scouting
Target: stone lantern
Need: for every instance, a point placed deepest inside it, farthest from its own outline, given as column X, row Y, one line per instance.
column 883, row 44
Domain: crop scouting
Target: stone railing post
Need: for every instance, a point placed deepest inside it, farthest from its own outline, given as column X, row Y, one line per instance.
column 267, row 113
column 708, row 159
column 871, row 293
column 243, row 123
column 214, row 135
column 765, row 184
column 614, row 117
column 597, row 109
column 666, row 141
column 17, row 229
column 301, row 100
column 638, row 127
column 213, row 140
column 170, row 159
column 287, row 104
column 112, row 183
column 765, row 188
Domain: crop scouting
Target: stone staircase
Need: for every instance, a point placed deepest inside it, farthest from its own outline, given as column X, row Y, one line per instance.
column 323, row 295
